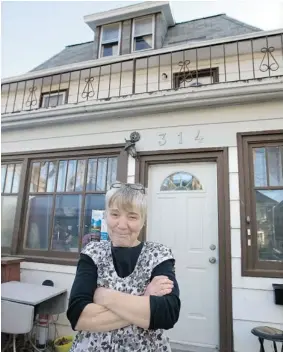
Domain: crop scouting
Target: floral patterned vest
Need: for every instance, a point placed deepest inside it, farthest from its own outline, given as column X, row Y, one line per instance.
column 130, row 338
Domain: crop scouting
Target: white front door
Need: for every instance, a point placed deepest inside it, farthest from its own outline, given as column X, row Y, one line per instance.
column 183, row 215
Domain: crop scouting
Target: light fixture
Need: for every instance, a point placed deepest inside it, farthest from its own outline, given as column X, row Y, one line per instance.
column 130, row 146
column 164, row 76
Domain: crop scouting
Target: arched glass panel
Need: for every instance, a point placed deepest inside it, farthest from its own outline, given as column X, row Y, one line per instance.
column 181, row 181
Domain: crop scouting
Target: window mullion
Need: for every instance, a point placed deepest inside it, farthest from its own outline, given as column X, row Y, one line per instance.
column 82, row 218
column 19, row 223
column 51, row 229
column 266, row 166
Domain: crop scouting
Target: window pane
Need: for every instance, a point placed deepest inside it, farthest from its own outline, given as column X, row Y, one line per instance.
column 38, row 222
column 42, row 177
column 92, row 202
column 111, row 172
column 269, row 217
column 181, row 181
column 17, row 176
column 66, row 223
column 80, row 175
column 71, row 176
column 275, row 167
column 53, row 100
column 91, row 175
column 101, row 174
column 110, row 49
column 62, row 176
column 51, row 176
column 143, row 26
column 3, row 175
column 34, row 177
column 8, row 212
column 260, row 176
column 9, row 178
column 142, row 43
column 110, row 33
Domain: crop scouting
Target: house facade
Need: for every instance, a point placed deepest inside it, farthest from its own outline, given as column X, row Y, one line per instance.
column 194, row 111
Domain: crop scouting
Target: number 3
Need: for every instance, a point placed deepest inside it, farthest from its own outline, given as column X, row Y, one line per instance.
column 163, row 139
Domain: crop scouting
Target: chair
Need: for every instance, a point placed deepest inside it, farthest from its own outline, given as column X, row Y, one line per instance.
column 269, row 334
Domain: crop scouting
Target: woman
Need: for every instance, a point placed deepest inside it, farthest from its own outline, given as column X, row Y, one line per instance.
column 125, row 292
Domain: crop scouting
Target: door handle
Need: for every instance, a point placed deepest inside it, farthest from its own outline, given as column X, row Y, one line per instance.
column 212, row 260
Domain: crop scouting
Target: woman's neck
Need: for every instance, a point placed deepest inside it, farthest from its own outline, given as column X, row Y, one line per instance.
column 134, row 244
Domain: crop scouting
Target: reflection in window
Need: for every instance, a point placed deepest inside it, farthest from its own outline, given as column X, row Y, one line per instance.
column 54, row 218
column 143, row 33
column 8, row 212
column 269, row 223
column 66, row 223
column 10, row 184
column 268, row 180
column 260, row 175
column 181, row 181
column 38, row 222
column 93, row 202
column 275, row 165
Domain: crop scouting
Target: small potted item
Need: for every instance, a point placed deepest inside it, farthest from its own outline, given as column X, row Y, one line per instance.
column 63, row 343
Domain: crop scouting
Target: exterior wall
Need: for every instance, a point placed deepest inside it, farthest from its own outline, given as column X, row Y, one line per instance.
column 148, row 77
column 96, row 42
column 195, row 128
column 126, row 37
column 160, row 30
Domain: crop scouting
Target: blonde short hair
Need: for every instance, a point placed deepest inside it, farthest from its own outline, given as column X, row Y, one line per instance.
column 128, row 197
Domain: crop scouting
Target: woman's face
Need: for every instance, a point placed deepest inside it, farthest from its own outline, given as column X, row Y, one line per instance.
column 123, row 227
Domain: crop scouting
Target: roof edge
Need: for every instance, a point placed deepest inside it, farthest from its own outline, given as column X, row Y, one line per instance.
column 243, row 24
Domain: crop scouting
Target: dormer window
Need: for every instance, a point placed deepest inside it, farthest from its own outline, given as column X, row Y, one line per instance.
column 110, row 40
column 143, row 33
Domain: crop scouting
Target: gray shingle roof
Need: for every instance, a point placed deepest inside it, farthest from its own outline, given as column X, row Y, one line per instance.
column 213, row 27
column 207, row 28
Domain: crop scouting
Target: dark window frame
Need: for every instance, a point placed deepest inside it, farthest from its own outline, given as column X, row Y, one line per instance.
column 246, row 141
column 206, row 72
column 55, row 257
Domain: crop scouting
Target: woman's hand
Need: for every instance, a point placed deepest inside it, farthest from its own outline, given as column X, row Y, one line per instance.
column 159, row 286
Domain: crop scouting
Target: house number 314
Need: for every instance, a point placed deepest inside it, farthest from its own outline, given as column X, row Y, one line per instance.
column 163, row 138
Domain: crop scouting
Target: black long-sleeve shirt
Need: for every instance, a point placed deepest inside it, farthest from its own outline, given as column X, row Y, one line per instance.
column 164, row 311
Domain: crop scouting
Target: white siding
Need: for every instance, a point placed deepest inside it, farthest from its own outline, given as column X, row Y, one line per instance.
column 252, row 297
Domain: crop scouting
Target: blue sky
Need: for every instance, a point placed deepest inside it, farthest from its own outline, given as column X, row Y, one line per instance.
column 33, row 31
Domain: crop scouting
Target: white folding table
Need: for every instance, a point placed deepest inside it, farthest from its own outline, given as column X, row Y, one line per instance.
column 21, row 302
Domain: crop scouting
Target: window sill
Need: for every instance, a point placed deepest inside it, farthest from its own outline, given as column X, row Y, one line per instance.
column 46, row 260
column 263, row 273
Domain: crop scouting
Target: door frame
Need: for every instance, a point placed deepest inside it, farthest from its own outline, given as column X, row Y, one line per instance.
column 220, row 156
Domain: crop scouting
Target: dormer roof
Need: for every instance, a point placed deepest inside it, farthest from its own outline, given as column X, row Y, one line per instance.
column 124, row 13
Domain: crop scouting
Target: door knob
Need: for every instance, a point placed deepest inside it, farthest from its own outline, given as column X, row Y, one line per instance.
column 212, row 260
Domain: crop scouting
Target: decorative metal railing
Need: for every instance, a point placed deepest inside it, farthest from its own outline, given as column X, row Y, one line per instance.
column 233, row 61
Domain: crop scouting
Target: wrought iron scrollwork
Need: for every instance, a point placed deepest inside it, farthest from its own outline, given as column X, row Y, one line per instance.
column 272, row 64
column 32, row 99
column 88, row 91
column 184, row 74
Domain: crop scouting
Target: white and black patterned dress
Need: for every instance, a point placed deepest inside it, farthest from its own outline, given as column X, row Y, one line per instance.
column 130, row 338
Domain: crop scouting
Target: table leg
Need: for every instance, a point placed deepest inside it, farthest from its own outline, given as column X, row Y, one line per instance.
column 261, row 341
column 14, row 343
